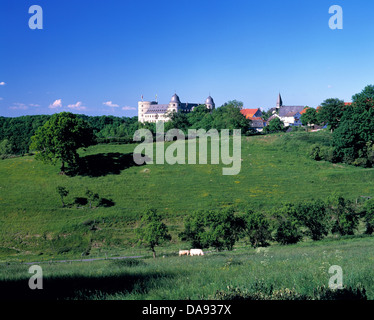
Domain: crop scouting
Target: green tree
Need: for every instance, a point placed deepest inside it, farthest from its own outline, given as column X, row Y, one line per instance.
column 178, row 120
column 309, row 118
column 313, row 215
column 91, row 196
column 152, row 231
column 330, row 112
column 5, row 147
column 257, row 229
column 275, row 125
column 63, row 192
column 206, row 229
column 353, row 139
column 287, row 227
column 194, row 228
column 343, row 214
column 369, row 216
column 229, row 117
column 223, row 229
column 60, row 138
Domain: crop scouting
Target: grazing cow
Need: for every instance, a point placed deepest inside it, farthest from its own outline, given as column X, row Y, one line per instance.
column 184, row 253
column 196, row 252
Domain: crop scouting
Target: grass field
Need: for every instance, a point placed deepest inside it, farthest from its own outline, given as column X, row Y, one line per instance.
column 275, row 168
column 301, row 268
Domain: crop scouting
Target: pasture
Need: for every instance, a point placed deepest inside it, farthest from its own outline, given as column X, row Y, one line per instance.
column 300, row 268
column 275, row 168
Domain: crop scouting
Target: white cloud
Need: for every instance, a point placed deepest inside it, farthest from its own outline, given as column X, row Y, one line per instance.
column 56, row 104
column 19, row 106
column 2, row 83
column 110, row 104
column 34, row 105
column 128, row 108
column 77, row 106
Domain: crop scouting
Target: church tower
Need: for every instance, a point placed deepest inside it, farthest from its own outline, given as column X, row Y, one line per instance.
column 279, row 102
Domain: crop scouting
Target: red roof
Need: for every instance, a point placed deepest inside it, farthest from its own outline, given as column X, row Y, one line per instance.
column 249, row 113
column 305, row 109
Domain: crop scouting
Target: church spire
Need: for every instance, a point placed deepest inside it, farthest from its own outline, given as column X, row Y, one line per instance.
column 279, row 102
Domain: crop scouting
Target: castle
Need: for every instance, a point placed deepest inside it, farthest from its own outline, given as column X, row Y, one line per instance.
column 151, row 111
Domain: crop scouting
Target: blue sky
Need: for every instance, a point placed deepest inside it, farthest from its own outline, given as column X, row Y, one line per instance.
column 99, row 57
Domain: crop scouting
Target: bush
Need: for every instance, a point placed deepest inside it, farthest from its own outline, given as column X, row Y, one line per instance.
column 369, row 216
column 287, row 229
column 257, row 229
column 343, row 214
column 314, row 217
column 324, row 293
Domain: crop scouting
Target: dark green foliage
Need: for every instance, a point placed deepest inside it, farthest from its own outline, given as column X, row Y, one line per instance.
column 194, row 226
column 353, row 139
column 60, row 138
column 63, row 192
column 152, row 231
column 287, row 227
column 330, row 112
column 324, row 293
column 369, row 216
column 18, row 131
column 257, row 229
column 260, row 291
column 217, row 229
column 344, row 216
column 275, row 125
column 222, row 229
column 314, row 216
column 309, row 117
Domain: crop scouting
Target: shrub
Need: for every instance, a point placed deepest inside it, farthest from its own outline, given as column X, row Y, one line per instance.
column 325, row 293
column 314, row 217
column 343, row 214
column 369, row 216
column 257, row 229
column 287, row 230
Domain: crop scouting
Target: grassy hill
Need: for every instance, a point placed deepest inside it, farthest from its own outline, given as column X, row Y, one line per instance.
column 275, row 168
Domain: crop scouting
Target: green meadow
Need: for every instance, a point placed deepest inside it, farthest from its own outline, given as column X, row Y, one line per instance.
column 300, row 269
column 274, row 169
column 34, row 227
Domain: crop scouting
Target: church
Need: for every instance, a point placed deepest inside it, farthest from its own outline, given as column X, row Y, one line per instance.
column 151, row 111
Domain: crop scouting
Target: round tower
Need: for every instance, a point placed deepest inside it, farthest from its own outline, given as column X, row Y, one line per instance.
column 143, row 107
column 174, row 104
column 209, row 102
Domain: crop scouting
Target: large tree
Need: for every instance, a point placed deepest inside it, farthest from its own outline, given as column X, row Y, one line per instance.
column 330, row 112
column 309, row 118
column 353, row 139
column 60, row 138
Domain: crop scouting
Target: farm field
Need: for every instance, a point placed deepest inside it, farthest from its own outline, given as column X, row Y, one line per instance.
column 275, row 169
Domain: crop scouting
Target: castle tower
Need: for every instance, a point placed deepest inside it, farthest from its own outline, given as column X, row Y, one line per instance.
column 209, row 102
column 174, row 104
column 143, row 107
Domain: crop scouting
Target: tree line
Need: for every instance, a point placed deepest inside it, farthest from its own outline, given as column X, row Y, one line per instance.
column 352, row 127
column 288, row 224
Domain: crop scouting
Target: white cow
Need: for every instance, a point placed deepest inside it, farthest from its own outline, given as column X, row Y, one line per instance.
column 184, row 253
column 196, row 252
